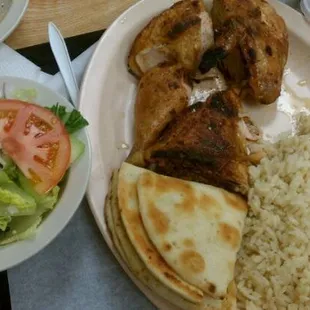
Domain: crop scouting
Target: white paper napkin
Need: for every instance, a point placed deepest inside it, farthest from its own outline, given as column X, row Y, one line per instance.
column 14, row 64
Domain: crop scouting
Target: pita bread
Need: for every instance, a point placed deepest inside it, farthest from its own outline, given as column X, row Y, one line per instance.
column 131, row 258
column 129, row 209
column 109, row 208
column 138, row 268
column 195, row 227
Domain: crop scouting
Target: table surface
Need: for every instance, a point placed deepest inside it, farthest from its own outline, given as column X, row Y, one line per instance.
column 72, row 17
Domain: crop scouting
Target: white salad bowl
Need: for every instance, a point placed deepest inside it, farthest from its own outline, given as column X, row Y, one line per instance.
column 72, row 192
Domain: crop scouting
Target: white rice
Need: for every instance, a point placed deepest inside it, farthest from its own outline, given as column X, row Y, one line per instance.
column 273, row 267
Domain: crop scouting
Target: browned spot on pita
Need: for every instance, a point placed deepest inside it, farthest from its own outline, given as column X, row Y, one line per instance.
column 192, row 261
column 218, row 214
column 133, row 193
column 206, row 202
column 167, row 247
column 164, row 184
column 122, row 194
column 159, row 219
column 189, row 243
column 230, row 235
column 235, row 201
column 135, row 220
column 147, row 180
column 167, row 184
column 211, row 288
column 188, row 203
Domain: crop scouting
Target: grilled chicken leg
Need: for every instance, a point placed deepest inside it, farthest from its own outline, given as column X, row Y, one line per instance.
column 251, row 46
column 163, row 92
column 181, row 33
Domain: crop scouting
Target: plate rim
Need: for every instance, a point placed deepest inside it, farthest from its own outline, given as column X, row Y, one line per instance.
column 298, row 27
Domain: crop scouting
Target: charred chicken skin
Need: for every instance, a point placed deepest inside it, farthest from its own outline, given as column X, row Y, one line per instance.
column 181, row 33
column 251, row 46
column 204, row 144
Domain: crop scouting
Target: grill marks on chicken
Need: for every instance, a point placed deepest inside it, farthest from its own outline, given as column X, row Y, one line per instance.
column 251, row 46
column 181, row 34
column 204, row 144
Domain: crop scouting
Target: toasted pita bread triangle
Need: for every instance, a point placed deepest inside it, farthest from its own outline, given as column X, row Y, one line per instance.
column 195, row 227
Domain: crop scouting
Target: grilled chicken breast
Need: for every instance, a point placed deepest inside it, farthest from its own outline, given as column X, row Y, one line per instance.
column 251, row 46
column 163, row 92
column 204, row 144
column 181, row 33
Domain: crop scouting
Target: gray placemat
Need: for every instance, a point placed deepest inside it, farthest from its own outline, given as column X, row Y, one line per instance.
column 76, row 271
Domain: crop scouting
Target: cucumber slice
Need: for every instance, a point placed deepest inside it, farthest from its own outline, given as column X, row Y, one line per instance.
column 77, row 148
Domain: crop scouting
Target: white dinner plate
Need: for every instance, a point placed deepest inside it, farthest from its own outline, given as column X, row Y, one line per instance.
column 72, row 191
column 108, row 96
column 12, row 18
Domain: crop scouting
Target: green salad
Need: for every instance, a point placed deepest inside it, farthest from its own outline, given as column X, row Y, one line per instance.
column 37, row 147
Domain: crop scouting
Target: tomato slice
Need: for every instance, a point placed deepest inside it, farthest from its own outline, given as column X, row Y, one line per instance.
column 36, row 140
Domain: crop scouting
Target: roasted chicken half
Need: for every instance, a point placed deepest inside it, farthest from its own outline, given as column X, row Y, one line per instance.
column 205, row 143
column 181, row 33
column 251, row 46
column 163, row 92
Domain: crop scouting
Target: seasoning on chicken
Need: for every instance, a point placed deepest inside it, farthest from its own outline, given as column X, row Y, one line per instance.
column 181, row 33
column 251, row 46
column 163, row 92
column 205, row 144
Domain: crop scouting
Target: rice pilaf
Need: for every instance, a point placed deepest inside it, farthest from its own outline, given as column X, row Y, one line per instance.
column 273, row 267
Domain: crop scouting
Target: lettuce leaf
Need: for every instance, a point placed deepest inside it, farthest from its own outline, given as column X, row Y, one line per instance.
column 13, row 200
column 21, row 228
column 22, row 209
column 4, row 221
column 25, row 227
column 44, row 202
